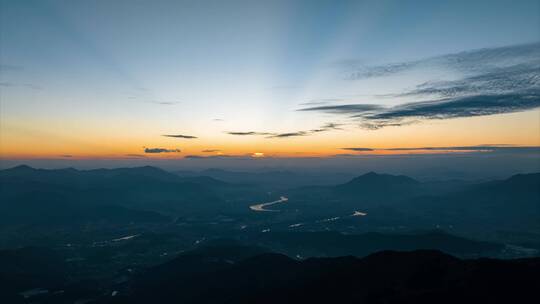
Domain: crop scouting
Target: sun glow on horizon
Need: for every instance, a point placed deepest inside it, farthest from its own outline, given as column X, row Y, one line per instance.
column 293, row 80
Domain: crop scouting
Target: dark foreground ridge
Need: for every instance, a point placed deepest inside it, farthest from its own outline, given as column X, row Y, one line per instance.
column 233, row 273
column 422, row 276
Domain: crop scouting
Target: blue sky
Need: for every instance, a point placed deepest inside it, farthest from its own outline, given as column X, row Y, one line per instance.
column 76, row 70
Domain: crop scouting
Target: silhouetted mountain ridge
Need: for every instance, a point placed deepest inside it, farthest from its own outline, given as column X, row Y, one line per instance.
column 423, row 276
column 373, row 178
column 332, row 243
column 71, row 194
column 377, row 184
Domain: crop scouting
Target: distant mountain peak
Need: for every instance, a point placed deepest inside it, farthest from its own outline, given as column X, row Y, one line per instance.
column 372, row 182
column 371, row 173
column 383, row 178
column 21, row 168
column 524, row 176
column 146, row 168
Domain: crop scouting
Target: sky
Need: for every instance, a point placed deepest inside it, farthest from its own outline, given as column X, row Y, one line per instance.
column 201, row 80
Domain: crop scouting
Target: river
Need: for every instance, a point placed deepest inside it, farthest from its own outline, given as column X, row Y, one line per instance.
column 261, row 207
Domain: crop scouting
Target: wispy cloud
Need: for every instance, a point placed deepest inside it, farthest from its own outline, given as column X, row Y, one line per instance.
column 378, row 124
column 249, row 133
column 211, row 150
column 494, row 81
column 466, row 106
column 469, row 62
column 328, row 127
column 324, row 128
column 358, row 149
column 161, row 150
column 345, row 109
column 504, row 148
column 519, row 78
column 270, row 135
column 479, row 148
column 289, row 134
column 180, row 136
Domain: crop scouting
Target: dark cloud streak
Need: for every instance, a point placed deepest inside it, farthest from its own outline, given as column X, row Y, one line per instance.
column 289, row 134
column 161, row 150
column 478, row 148
column 250, row 133
column 472, row 61
column 324, row 128
column 494, row 81
column 357, row 149
column 344, row 109
column 180, row 136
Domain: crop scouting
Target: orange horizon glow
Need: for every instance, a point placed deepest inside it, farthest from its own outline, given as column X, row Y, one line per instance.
column 254, row 155
column 23, row 140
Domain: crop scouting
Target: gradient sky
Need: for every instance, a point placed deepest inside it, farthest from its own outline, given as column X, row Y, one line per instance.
column 107, row 79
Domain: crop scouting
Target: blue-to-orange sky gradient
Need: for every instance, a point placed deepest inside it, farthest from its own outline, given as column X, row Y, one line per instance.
column 191, row 79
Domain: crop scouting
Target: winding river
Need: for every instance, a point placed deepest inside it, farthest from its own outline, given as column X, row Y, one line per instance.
column 261, row 207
